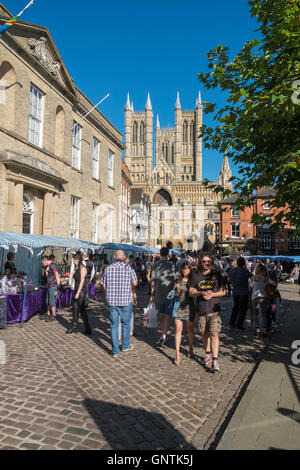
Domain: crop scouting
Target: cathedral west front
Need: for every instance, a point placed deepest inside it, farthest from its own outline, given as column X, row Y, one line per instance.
column 183, row 209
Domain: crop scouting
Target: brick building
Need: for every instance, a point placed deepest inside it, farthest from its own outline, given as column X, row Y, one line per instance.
column 237, row 233
column 60, row 174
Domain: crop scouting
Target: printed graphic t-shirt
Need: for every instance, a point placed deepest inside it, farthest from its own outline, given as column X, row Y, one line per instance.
column 204, row 282
column 51, row 278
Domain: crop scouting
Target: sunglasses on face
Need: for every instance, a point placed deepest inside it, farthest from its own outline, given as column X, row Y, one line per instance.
column 205, row 262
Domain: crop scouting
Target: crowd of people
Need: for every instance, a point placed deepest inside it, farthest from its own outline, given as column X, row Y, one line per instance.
column 184, row 288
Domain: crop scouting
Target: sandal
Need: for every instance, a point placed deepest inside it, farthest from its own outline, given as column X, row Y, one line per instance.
column 191, row 352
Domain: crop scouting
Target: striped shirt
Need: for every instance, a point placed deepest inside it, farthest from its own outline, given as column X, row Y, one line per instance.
column 117, row 280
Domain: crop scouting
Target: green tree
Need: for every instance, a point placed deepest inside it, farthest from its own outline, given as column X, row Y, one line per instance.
column 259, row 126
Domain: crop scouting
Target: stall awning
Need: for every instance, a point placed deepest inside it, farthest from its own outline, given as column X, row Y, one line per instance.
column 42, row 241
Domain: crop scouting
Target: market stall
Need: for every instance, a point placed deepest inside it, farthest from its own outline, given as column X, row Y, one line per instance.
column 25, row 296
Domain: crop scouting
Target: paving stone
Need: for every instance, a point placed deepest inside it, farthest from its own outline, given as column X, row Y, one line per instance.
column 77, row 431
column 141, row 401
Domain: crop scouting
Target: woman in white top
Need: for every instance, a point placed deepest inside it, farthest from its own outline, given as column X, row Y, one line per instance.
column 259, row 297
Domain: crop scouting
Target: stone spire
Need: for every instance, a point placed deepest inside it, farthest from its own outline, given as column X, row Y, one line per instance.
column 128, row 106
column 148, row 104
column 178, row 105
column 198, row 101
column 132, row 108
column 157, row 123
column 225, row 174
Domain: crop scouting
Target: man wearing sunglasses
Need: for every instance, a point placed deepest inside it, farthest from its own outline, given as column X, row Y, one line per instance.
column 206, row 287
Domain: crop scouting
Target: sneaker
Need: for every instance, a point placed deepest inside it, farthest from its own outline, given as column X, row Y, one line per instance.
column 162, row 341
column 215, row 366
column 128, row 349
column 50, row 318
column 115, row 355
column 207, row 361
column 72, row 329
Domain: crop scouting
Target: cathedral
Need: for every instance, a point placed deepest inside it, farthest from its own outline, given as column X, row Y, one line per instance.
column 183, row 209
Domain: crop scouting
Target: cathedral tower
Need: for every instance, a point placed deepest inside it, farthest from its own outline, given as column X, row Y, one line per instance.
column 139, row 141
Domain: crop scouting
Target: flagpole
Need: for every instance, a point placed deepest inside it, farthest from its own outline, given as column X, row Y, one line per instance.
column 86, row 115
column 27, row 6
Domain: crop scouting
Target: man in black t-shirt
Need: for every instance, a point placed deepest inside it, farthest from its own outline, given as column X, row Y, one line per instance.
column 206, row 286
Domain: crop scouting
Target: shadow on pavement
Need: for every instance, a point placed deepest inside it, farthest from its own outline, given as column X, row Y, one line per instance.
column 126, row 428
column 290, row 414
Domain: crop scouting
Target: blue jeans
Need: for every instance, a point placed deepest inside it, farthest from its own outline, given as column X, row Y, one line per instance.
column 125, row 314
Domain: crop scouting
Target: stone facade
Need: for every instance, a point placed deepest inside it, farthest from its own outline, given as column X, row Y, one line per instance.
column 60, row 173
column 183, row 209
column 125, row 204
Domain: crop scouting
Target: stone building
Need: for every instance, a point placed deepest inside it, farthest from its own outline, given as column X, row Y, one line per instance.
column 139, row 217
column 182, row 207
column 60, row 173
column 125, row 204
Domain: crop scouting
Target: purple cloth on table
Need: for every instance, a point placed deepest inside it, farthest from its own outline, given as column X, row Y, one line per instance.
column 35, row 302
column 92, row 291
column 63, row 298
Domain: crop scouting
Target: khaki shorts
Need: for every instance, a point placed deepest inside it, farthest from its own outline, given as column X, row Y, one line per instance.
column 210, row 323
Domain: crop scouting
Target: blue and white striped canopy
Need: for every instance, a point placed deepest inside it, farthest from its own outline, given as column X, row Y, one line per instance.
column 42, row 241
column 125, row 247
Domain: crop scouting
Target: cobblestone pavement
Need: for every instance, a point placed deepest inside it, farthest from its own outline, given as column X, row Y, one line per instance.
column 63, row 391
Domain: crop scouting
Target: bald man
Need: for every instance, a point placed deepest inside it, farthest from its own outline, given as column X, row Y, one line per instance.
column 119, row 282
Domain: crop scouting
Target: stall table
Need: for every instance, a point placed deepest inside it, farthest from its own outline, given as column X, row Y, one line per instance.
column 35, row 302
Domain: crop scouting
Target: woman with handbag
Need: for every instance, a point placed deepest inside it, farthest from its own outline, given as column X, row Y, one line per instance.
column 182, row 310
column 260, row 299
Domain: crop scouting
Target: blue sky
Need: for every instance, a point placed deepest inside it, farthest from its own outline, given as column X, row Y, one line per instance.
column 143, row 45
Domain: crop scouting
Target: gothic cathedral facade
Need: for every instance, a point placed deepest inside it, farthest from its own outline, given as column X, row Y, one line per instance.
column 183, row 209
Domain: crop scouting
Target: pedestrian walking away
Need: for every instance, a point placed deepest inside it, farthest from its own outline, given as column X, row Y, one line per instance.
column 239, row 278
column 259, row 297
column 79, row 304
column 162, row 282
column 52, row 284
column 119, row 282
column 206, row 287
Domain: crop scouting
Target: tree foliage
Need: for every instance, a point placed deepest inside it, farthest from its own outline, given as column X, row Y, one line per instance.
column 259, row 126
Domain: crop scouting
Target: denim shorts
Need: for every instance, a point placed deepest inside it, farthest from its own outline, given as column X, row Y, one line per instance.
column 51, row 296
column 163, row 308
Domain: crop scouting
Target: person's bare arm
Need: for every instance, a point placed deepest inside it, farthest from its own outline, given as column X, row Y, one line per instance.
column 152, row 297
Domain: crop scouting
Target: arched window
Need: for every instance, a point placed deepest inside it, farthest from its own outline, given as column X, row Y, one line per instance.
column 135, row 132
column 182, row 178
column 142, row 133
column 188, row 178
column 157, row 178
column 8, row 95
column 60, row 124
column 193, row 215
column 184, row 169
column 163, row 150
column 192, row 132
column 185, row 132
column 167, row 153
column 167, row 178
column 28, row 214
column 173, row 154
